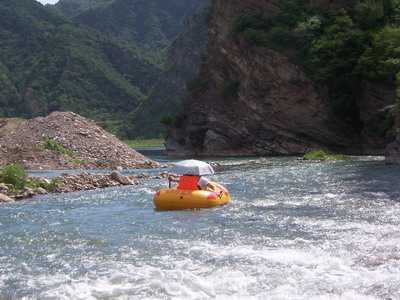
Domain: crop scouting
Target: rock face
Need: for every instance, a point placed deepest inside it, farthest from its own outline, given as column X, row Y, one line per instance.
column 393, row 149
column 376, row 104
column 257, row 101
column 65, row 140
column 393, row 152
column 253, row 101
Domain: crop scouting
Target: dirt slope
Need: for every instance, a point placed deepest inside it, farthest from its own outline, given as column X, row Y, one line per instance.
column 64, row 140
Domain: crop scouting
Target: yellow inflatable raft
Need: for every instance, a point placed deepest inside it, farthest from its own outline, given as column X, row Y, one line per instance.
column 174, row 199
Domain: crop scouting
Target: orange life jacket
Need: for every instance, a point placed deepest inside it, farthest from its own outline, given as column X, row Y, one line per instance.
column 187, row 182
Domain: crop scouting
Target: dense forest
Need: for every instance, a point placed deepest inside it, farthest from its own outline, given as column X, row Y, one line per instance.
column 152, row 25
column 60, row 58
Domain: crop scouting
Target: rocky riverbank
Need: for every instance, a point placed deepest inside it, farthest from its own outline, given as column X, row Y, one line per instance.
column 64, row 140
column 68, row 183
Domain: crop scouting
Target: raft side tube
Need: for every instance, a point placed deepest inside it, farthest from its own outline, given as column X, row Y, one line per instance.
column 174, row 199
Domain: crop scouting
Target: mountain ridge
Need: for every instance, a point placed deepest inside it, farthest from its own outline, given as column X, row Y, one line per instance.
column 50, row 61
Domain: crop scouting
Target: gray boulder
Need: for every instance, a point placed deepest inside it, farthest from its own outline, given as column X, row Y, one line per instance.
column 5, row 199
column 124, row 180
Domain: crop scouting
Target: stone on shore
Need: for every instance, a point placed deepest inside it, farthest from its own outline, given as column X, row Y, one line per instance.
column 68, row 183
column 4, row 188
column 85, row 181
column 40, row 191
column 5, row 199
column 124, row 180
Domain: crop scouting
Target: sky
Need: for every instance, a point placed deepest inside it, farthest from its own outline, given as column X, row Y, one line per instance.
column 48, row 1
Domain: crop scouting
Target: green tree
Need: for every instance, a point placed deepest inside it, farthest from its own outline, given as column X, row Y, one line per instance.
column 337, row 50
column 381, row 60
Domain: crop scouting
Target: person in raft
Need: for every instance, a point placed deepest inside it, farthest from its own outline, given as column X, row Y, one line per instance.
column 191, row 182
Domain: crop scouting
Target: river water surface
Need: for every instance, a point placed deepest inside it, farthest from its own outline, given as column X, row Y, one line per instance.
column 294, row 230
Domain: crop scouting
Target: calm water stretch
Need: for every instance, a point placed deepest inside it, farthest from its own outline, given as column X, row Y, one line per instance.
column 293, row 231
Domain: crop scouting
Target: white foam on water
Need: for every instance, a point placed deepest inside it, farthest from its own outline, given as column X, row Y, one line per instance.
column 145, row 190
column 344, row 248
column 211, row 271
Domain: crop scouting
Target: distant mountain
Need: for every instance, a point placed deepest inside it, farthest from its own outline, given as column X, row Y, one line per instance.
column 48, row 63
column 72, row 8
column 184, row 59
column 174, row 31
column 99, row 58
column 151, row 24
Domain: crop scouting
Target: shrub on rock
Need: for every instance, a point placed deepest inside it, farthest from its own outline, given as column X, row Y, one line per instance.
column 15, row 175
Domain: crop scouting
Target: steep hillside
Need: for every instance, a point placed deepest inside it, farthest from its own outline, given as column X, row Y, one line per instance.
column 184, row 59
column 151, row 24
column 284, row 77
column 72, row 8
column 47, row 63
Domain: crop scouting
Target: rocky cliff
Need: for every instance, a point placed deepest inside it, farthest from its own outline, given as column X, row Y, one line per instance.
column 393, row 149
column 255, row 98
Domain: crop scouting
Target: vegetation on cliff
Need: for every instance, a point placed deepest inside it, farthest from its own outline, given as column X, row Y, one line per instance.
column 338, row 47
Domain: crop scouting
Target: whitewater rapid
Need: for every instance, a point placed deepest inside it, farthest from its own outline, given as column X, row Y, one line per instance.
column 294, row 230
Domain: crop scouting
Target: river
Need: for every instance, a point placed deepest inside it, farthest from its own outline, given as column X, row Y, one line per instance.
column 294, row 230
